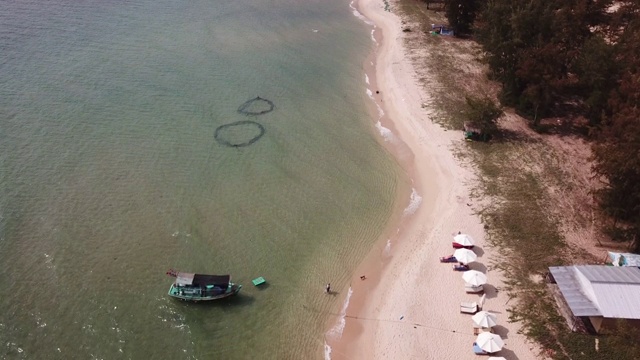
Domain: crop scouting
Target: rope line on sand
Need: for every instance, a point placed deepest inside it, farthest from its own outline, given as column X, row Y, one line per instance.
column 412, row 324
column 390, row 321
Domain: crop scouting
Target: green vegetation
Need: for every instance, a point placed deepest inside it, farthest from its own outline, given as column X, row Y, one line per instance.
column 484, row 113
column 577, row 60
column 547, row 60
column 461, row 14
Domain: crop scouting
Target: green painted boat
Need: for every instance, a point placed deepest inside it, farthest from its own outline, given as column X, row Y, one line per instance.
column 201, row 287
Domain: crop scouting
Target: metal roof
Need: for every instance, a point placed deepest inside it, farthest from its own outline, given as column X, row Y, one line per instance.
column 183, row 278
column 609, row 291
column 578, row 302
column 610, row 274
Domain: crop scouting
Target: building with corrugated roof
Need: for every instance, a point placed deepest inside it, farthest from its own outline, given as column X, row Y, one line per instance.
column 598, row 295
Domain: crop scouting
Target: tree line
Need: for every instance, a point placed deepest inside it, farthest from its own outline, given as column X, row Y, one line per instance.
column 577, row 59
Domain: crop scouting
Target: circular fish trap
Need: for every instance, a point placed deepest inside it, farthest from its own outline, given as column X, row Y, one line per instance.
column 256, row 106
column 236, row 134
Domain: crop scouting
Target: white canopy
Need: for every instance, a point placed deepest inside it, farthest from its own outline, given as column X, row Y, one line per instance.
column 465, row 256
column 490, row 342
column 474, row 277
column 463, row 239
column 484, row 319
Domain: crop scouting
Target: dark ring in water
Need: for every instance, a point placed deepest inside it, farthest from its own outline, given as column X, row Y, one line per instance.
column 243, row 108
column 223, row 141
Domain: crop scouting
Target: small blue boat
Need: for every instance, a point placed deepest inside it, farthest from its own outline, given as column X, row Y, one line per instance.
column 201, row 287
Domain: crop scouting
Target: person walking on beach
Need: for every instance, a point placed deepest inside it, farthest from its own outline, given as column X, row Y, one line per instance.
column 328, row 288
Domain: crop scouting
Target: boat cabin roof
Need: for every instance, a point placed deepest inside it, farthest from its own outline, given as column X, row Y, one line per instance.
column 184, row 279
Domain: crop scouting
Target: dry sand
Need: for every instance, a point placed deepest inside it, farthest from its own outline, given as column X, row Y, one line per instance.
column 408, row 306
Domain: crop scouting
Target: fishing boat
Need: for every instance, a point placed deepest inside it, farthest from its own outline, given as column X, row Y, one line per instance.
column 201, row 287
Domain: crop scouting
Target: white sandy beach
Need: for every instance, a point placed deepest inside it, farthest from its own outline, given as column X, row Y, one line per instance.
column 408, row 306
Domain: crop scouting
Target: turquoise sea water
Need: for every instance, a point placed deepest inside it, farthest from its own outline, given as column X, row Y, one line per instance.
column 110, row 175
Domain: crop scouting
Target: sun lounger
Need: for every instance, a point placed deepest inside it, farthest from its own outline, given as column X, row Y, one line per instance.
column 478, row 330
column 448, row 259
column 478, row 351
column 459, row 246
column 469, row 308
column 460, row 267
column 473, row 289
column 472, row 307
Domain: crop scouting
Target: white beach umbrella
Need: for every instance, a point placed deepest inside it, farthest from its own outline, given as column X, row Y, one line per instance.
column 465, row 256
column 484, row 319
column 489, row 342
column 474, row 277
column 463, row 239
column 496, row 358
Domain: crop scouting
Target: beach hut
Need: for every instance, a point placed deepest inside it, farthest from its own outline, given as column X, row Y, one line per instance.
column 593, row 297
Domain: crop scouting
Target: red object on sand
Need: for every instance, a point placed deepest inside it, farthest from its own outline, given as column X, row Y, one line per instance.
column 459, row 246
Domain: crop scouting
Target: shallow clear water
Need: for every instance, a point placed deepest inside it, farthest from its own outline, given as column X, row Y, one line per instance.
column 110, row 175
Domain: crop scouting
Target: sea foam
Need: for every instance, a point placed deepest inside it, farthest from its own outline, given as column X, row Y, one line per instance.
column 359, row 15
column 380, row 111
column 414, row 203
column 327, row 351
column 387, row 248
column 386, row 134
column 336, row 331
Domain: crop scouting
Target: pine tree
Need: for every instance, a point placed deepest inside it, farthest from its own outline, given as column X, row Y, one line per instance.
column 461, row 15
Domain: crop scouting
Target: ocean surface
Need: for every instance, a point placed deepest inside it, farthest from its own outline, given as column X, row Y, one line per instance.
column 123, row 154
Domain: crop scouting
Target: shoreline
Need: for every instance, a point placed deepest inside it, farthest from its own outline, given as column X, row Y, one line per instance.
column 408, row 305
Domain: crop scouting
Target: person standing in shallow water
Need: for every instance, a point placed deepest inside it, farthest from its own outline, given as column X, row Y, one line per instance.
column 327, row 289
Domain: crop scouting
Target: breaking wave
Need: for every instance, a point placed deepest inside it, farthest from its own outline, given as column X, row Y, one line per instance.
column 386, row 134
column 327, row 351
column 336, row 331
column 359, row 15
column 387, row 247
column 414, row 203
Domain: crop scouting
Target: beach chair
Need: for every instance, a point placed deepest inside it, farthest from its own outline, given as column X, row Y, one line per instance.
column 448, row 259
column 472, row 307
column 478, row 351
column 460, row 246
column 473, row 289
column 460, row 267
column 469, row 308
column 478, row 330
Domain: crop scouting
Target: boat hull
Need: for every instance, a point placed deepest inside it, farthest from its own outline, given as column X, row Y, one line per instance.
column 175, row 293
